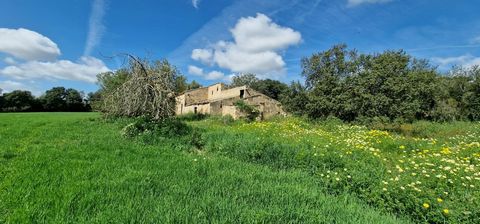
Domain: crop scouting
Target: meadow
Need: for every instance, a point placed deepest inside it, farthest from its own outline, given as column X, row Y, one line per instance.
column 77, row 168
column 427, row 171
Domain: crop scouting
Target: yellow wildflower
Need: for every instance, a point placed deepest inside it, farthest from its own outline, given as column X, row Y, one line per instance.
column 439, row 200
column 402, row 147
column 445, row 211
column 426, row 205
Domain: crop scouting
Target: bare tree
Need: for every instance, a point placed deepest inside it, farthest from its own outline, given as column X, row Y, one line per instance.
column 149, row 91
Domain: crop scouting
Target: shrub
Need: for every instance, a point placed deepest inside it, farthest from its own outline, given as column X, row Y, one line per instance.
column 251, row 113
column 193, row 117
column 167, row 128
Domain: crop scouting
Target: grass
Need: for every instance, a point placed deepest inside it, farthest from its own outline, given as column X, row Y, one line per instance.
column 77, row 168
column 427, row 171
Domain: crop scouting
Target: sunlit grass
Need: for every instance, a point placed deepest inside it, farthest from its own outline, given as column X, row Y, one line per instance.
column 394, row 172
column 76, row 168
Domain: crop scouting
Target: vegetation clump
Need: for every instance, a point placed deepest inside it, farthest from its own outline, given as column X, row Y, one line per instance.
column 251, row 113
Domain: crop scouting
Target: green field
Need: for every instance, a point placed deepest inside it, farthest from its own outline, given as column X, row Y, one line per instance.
column 77, row 167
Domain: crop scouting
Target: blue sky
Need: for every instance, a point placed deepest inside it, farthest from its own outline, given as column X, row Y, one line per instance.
column 66, row 43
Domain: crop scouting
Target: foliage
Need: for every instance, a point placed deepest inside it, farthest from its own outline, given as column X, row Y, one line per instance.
column 19, row 101
column 271, row 88
column 251, row 113
column 55, row 99
column 61, row 99
column 351, row 86
column 148, row 91
column 181, row 84
column 247, row 79
column 167, row 128
column 192, row 117
column 295, row 99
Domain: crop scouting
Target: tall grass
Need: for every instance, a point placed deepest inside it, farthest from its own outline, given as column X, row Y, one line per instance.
column 77, row 168
column 433, row 178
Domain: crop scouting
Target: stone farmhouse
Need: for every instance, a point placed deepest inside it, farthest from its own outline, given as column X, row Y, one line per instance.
column 219, row 100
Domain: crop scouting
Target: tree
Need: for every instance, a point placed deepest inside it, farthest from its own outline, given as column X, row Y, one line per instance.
column 18, row 100
column 471, row 97
column 324, row 72
column 269, row 87
column 247, row 79
column 181, row 84
column 2, row 101
column 294, row 99
column 193, row 85
column 93, row 101
column 74, row 100
column 55, row 99
column 149, row 91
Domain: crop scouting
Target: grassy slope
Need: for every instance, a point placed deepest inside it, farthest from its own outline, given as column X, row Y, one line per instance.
column 433, row 179
column 59, row 167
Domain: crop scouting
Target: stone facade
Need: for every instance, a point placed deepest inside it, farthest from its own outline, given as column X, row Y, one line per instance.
column 218, row 100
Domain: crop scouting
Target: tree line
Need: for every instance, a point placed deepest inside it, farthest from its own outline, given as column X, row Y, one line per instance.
column 53, row 100
column 338, row 82
column 388, row 86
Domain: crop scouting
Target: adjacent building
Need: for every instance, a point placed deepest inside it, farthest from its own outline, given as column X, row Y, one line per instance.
column 219, row 100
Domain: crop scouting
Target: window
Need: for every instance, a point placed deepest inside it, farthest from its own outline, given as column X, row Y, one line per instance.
column 242, row 93
column 221, row 105
column 195, row 110
column 217, row 88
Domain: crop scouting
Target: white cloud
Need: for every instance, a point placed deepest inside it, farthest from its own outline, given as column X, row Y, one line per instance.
column 9, row 86
column 353, row 3
column 194, row 70
column 464, row 60
column 28, row 45
column 203, row 55
column 85, row 70
column 195, row 3
column 258, row 34
column 255, row 49
column 96, row 28
column 231, row 57
column 214, row 75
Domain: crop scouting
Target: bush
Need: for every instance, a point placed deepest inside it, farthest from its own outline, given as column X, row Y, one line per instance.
column 193, row 117
column 251, row 113
column 167, row 128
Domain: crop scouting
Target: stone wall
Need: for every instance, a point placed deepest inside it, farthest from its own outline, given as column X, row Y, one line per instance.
column 197, row 96
column 216, row 100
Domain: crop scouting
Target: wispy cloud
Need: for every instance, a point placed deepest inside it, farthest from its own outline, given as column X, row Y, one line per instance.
column 444, row 47
column 353, row 3
column 195, row 3
column 96, row 27
column 467, row 60
column 475, row 40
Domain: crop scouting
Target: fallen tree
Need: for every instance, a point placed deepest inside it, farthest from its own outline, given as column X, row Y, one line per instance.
column 148, row 90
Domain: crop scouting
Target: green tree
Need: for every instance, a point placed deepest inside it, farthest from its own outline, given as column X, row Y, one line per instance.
column 294, row 99
column 55, row 99
column 193, row 85
column 471, row 97
column 271, row 88
column 19, row 100
column 247, row 79
column 324, row 73
column 74, row 100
